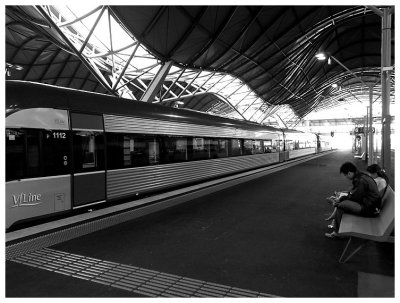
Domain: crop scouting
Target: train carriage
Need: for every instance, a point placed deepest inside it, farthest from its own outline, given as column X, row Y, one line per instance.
column 298, row 144
column 68, row 149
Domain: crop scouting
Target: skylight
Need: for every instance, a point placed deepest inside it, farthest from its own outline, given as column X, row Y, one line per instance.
column 126, row 65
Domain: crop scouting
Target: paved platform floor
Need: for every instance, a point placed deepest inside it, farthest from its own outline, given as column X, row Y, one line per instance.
column 260, row 238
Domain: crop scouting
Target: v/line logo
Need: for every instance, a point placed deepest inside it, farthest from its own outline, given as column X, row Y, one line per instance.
column 26, row 199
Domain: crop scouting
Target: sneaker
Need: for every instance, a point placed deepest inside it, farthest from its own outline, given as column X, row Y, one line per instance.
column 333, row 234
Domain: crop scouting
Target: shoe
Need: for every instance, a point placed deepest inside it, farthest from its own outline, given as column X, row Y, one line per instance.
column 331, row 235
column 332, row 225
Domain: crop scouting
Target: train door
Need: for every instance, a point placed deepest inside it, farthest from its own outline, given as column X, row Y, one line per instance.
column 88, row 159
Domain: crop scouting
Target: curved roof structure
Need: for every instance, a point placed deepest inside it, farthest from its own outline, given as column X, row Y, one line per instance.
column 248, row 62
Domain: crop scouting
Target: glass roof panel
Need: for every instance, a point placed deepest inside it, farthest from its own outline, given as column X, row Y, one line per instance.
column 106, row 38
column 129, row 67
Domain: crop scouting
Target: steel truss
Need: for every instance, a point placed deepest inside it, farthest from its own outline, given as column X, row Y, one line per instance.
column 130, row 71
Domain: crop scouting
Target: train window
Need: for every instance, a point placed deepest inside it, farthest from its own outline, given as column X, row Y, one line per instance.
column 129, row 150
column 218, row 148
column 116, row 156
column 248, row 147
column 88, row 151
column 136, row 151
column 154, row 151
column 270, row 146
column 55, row 152
column 223, row 150
column 133, row 151
column 281, row 144
column 174, row 149
column 36, row 153
column 15, row 154
column 236, row 147
column 32, row 153
column 257, row 147
column 276, row 146
column 199, row 148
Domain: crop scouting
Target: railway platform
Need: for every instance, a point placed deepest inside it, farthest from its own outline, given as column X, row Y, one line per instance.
column 261, row 237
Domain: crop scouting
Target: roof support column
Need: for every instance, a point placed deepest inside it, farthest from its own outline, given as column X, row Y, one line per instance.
column 371, row 156
column 156, row 83
column 387, row 68
column 385, row 80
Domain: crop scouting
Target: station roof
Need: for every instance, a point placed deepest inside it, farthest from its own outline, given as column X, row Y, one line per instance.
column 264, row 54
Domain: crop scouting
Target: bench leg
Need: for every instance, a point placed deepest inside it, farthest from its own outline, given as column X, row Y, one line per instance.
column 354, row 251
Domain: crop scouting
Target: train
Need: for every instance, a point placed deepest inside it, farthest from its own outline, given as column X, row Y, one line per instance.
column 68, row 149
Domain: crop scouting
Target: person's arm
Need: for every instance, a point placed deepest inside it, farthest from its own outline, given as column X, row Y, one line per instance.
column 358, row 193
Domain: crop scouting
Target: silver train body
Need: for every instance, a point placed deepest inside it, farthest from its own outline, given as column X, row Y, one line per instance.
column 67, row 149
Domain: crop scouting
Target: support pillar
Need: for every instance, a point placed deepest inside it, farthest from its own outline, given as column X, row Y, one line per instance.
column 156, row 83
column 365, row 141
column 371, row 156
column 385, row 80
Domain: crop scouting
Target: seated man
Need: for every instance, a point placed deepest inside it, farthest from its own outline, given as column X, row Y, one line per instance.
column 364, row 198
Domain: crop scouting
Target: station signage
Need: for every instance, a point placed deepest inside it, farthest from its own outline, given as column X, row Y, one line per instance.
column 363, row 130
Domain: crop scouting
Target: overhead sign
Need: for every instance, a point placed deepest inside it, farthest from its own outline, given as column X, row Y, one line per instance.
column 363, row 130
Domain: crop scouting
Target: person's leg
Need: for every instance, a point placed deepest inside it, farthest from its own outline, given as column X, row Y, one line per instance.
column 332, row 215
column 346, row 206
column 335, row 223
column 338, row 217
column 351, row 207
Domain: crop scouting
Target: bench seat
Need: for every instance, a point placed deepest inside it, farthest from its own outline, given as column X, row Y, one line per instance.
column 377, row 229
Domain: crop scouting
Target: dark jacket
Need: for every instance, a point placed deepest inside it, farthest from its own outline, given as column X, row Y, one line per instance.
column 365, row 191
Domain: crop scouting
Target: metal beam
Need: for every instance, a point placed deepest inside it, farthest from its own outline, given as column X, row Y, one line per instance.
column 95, row 72
column 173, row 83
column 189, row 85
column 280, row 122
column 345, row 67
column 80, row 18
column 201, row 86
column 156, row 83
column 92, row 30
column 126, row 66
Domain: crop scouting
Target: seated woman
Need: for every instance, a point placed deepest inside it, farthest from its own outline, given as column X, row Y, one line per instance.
column 364, row 198
column 380, row 177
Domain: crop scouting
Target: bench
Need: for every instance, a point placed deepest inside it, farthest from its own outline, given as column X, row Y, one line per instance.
column 360, row 156
column 377, row 229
